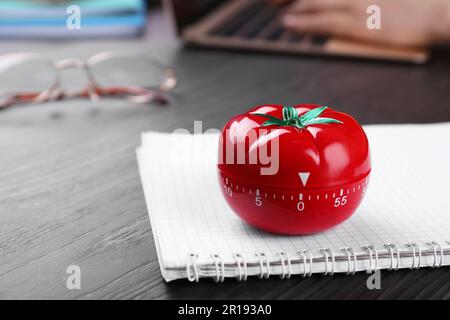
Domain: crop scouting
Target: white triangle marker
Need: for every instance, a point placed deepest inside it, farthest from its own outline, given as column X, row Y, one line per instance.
column 304, row 176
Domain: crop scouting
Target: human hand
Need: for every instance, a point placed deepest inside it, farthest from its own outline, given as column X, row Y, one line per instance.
column 403, row 22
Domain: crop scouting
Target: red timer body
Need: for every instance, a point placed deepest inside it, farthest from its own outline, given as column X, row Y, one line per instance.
column 293, row 170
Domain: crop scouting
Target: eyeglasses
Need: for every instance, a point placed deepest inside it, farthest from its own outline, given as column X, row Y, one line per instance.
column 29, row 77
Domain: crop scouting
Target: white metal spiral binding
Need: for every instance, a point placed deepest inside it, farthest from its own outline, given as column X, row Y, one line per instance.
column 355, row 260
column 434, row 245
column 220, row 271
column 263, row 260
column 413, row 246
column 333, row 261
column 391, row 247
column 349, row 252
column 241, row 264
column 303, row 253
column 285, row 265
column 393, row 254
column 369, row 250
column 326, row 252
column 376, row 258
column 192, row 263
column 373, row 255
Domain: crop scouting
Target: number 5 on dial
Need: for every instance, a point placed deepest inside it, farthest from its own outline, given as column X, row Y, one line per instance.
column 258, row 201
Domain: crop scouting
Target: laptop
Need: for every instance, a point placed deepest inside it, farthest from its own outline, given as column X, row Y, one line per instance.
column 255, row 25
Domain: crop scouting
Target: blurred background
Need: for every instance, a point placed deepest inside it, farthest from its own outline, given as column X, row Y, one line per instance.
column 400, row 30
column 50, row 19
column 285, row 66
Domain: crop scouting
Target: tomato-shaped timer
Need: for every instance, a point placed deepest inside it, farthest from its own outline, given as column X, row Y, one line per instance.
column 293, row 170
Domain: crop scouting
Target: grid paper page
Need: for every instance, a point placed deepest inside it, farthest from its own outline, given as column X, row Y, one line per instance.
column 408, row 200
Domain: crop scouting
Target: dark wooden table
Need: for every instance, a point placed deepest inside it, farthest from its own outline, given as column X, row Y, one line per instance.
column 70, row 192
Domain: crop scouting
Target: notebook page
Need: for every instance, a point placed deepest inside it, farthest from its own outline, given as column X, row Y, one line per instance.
column 407, row 201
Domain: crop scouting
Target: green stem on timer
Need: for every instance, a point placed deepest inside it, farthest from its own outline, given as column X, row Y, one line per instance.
column 292, row 118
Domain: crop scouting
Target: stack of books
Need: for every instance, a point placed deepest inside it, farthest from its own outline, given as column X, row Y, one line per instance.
column 71, row 19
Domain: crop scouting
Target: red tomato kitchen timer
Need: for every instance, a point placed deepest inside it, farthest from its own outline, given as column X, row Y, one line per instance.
column 293, row 170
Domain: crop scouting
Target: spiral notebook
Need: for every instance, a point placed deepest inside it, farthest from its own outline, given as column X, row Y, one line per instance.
column 403, row 222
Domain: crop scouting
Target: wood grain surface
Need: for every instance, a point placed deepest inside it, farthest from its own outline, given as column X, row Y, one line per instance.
column 70, row 191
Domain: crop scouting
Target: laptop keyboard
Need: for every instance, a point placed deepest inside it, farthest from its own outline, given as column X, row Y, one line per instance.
column 261, row 20
column 232, row 26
